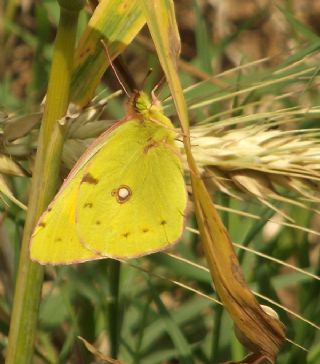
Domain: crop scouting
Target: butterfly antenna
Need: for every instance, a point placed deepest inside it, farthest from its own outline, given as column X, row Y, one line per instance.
column 153, row 91
column 159, row 84
column 105, row 48
column 146, row 77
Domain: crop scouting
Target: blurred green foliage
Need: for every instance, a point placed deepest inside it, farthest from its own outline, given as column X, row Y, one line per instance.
column 160, row 321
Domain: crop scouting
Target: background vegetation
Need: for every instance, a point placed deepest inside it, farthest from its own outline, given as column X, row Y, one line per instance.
column 250, row 74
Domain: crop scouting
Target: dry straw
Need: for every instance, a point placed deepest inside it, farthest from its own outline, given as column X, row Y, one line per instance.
column 257, row 158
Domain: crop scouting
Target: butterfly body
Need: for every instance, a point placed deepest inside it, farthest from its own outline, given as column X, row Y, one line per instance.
column 125, row 197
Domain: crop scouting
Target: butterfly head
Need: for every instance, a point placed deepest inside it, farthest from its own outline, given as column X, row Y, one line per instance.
column 146, row 108
column 141, row 104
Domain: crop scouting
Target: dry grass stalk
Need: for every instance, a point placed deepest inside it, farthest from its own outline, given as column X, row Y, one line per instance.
column 260, row 161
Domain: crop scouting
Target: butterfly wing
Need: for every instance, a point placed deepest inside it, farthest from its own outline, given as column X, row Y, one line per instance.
column 132, row 197
column 54, row 240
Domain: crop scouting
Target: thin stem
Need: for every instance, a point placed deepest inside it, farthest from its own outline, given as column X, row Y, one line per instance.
column 255, row 229
column 216, row 333
column 43, row 186
column 143, row 325
column 113, row 307
column 225, row 201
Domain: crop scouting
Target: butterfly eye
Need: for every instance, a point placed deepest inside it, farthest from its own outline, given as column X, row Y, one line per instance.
column 122, row 193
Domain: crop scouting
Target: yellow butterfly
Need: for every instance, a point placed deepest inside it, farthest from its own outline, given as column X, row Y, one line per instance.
column 126, row 196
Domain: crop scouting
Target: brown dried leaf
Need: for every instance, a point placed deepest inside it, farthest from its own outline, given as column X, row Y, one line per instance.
column 10, row 167
column 98, row 354
column 17, row 127
column 263, row 334
column 5, row 189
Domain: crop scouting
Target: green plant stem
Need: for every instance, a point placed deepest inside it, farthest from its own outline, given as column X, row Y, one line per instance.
column 255, row 229
column 143, row 325
column 216, row 333
column 218, row 311
column 43, row 187
column 113, row 307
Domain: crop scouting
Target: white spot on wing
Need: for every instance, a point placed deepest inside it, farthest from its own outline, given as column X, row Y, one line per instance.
column 122, row 193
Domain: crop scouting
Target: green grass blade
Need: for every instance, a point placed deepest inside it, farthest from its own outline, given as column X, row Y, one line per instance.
column 44, row 184
column 115, row 21
column 173, row 330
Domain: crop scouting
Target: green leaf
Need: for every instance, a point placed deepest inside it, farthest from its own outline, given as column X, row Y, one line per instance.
column 117, row 22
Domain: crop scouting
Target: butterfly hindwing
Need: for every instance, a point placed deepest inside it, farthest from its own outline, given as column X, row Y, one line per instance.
column 132, row 197
column 55, row 239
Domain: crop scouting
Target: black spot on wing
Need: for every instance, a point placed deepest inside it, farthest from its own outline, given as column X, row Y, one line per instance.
column 98, row 222
column 125, row 235
column 42, row 224
column 163, row 222
column 88, row 178
column 145, row 230
column 88, row 205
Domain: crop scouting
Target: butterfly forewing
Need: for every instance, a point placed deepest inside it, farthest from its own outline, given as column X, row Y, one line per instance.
column 54, row 240
column 132, row 195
